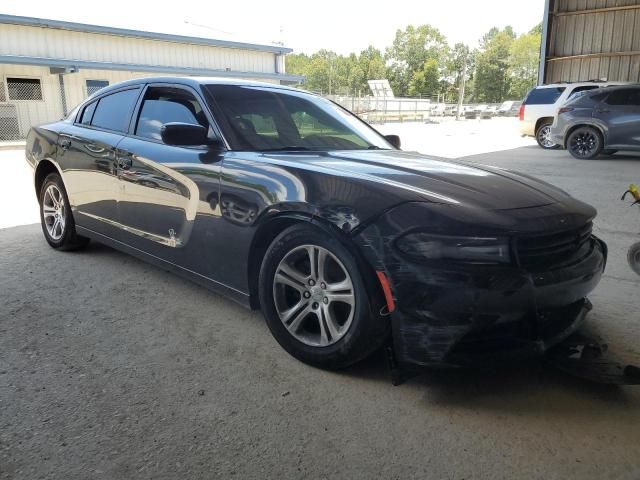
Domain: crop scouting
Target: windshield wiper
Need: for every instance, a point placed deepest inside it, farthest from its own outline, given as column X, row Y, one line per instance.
column 291, row 148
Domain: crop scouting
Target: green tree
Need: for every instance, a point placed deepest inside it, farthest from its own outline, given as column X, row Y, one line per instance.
column 426, row 81
column 453, row 70
column 524, row 56
column 411, row 49
column 492, row 81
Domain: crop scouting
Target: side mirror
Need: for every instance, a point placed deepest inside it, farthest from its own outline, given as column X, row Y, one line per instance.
column 393, row 140
column 184, row 134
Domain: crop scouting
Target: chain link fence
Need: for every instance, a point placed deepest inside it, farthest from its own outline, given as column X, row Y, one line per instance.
column 23, row 103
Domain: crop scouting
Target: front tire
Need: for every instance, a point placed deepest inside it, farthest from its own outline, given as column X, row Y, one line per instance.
column 585, row 143
column 543, row 137
column 315, row 300
column 55, row 216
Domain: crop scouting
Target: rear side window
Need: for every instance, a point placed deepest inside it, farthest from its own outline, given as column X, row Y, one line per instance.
column 578, row 90
column 626, row 96
column 544, row 96
column 113, row 111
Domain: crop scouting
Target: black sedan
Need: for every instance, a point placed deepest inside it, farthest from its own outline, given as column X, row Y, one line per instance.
column 598, row 121
column 284, row 201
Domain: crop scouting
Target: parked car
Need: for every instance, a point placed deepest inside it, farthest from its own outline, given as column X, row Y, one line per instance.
column 452, row 110
column 438, row 110
column 539, row 108
column 600, row 121
column 472, row 112
column 286, row 202
column 510, row 108
column 490, row 112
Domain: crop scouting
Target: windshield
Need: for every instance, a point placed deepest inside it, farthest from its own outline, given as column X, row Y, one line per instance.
column 264, row 119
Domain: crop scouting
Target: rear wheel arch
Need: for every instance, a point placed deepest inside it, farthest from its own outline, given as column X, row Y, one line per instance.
column 541, row 121
column 581, row 125
column 44, row 168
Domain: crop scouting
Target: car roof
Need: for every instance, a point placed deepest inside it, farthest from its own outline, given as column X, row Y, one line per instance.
column 193, row 82
column 596, row 83
column 612, row 88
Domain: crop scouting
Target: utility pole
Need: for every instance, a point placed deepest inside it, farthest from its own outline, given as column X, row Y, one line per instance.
column 461, row 88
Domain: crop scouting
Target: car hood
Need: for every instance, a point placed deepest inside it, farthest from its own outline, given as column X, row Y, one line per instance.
column 438, row 180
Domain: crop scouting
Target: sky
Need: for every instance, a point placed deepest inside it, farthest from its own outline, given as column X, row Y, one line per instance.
column 342, row 26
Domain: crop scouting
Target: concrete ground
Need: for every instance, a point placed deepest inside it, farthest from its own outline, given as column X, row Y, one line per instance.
column 111, row 368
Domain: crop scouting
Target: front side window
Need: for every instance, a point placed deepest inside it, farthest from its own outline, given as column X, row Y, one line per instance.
column 264, row 118
column 24, row 89
column 114, row 111
column 166, row 105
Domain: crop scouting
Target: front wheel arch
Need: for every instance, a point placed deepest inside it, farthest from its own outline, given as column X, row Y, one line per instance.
column 270, row 229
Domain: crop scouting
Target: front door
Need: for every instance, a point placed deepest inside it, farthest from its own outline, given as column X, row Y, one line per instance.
column 159, row 200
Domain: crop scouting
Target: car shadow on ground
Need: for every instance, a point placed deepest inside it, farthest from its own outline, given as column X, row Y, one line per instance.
column 519, row 387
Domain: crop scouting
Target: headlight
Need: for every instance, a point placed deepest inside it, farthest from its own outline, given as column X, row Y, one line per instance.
column 427, row 246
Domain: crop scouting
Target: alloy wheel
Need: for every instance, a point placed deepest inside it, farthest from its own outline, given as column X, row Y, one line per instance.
column 544, row 137
column 314, row 295
column 53, row 212
column 584, row 143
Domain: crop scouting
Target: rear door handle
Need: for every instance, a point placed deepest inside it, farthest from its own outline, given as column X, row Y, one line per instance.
column 124, row 160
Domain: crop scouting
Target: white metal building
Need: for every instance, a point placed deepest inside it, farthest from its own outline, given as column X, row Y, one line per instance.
column 49, row 66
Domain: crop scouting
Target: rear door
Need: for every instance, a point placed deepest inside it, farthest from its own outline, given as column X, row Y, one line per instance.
column 87, row 155
column 158, row 200
column 620, row 111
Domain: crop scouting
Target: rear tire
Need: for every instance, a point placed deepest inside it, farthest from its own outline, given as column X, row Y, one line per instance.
column 323, row 315
column 56, row 218
column 585, row 143
column 543, row 136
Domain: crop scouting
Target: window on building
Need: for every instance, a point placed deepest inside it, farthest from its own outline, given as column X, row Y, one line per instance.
column 164, row 105
column 94, row 85
column 24, row 89
column 114, row 111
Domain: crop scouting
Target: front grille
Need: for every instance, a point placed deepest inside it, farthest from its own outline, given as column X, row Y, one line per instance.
column 540, row 251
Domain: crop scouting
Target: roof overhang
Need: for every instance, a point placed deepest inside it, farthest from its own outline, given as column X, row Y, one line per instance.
column 74, row 65
column 124, row 32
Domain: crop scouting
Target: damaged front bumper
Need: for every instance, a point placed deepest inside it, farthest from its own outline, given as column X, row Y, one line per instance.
column 461, row 314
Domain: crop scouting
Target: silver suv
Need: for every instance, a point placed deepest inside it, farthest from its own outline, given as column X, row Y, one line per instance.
column 540, row 107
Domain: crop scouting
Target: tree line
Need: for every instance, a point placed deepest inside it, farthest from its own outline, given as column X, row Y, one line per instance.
column 421, row 63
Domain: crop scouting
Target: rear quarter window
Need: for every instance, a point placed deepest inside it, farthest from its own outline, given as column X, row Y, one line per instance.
column 544, row 96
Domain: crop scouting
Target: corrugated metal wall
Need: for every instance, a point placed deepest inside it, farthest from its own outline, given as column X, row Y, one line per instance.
column 66, row 44
column 593, row 39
